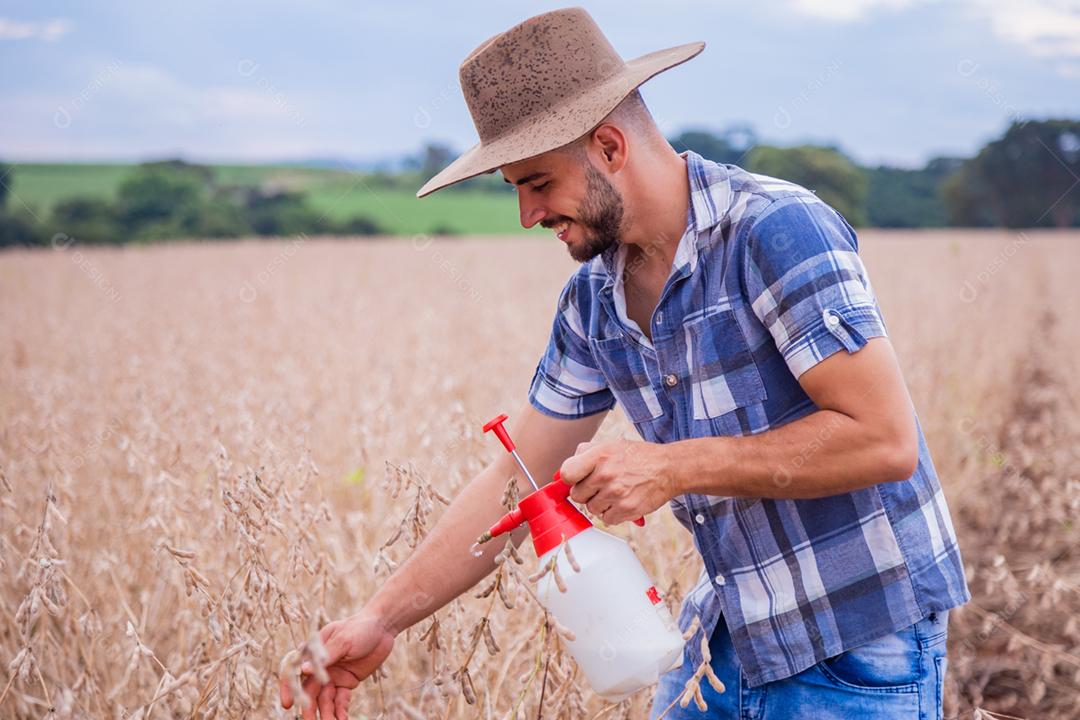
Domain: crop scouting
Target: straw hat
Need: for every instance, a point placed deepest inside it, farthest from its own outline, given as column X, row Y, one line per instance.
column 542, row 84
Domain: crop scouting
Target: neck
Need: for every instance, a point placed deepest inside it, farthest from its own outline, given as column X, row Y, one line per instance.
column 660, row 198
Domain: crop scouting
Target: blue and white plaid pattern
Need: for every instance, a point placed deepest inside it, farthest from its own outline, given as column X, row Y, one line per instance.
column 766, row 283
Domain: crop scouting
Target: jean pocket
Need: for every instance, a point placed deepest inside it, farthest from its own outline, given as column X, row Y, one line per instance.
column 888, row 664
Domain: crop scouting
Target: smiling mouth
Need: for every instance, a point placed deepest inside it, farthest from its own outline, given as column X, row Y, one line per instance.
column 562, row 229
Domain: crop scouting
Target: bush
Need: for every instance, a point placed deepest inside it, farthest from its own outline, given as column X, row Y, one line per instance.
column 443, row 230
column 89, row 220
column 359, row 225
column 284, row 213
column 20, row 229
column 220, row 218
column 155, row 195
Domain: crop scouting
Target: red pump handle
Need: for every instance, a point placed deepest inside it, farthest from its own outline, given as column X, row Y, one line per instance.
column 504, row 437
column 640, row 522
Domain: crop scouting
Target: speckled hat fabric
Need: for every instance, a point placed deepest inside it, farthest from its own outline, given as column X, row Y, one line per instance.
column 541, row 84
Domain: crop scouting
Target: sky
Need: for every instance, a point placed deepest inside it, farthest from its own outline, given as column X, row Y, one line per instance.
column 888, row 81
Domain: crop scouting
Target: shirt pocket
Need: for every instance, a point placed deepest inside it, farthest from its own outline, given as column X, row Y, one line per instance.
column 724, row 377
column 628, row 378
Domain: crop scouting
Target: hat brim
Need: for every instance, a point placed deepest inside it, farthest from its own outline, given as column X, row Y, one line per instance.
column 560, row 124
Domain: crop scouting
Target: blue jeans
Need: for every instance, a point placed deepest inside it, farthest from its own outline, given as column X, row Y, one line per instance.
column 896, row 676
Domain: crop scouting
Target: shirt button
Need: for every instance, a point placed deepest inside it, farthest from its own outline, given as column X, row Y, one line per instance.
column 719, row 580
column 670, row 380
column 700, row 519
column 659, row 317
column 832, row 318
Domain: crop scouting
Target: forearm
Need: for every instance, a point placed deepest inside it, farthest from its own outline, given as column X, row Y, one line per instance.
column 442, row 566
column 824, row 453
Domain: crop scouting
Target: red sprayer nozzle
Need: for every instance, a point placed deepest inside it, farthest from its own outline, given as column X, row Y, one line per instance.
column 506, row 523
column 548, row 510
column 551, row 516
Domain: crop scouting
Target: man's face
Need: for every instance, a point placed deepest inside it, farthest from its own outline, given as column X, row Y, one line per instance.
column 564, row 192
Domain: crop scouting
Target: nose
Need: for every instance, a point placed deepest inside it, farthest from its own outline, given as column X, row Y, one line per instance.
column 531, row 212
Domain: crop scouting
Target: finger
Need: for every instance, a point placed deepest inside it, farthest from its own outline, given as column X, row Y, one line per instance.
column 585, row 491
column 285, row 692
column 614, row 516
column 311, row 689
column 341, row 704
column 577, row 467
column 582, row 447
column 342, row 678
column 326, row 702
column 599, row 507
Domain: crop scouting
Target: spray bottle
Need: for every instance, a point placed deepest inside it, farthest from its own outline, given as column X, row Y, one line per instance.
column 624, row 634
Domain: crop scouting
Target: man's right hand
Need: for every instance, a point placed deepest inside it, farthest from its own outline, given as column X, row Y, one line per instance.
column 355, row 647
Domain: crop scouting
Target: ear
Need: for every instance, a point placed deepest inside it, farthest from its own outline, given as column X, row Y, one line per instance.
column 611, row 142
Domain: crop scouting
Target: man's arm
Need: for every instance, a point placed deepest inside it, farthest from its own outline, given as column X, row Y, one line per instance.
column 441, row 567
column 862, row 434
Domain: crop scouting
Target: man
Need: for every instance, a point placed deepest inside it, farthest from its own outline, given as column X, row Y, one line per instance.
column 730, row 317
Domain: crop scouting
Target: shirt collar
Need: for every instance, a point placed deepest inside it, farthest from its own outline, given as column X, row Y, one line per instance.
column 705, row 210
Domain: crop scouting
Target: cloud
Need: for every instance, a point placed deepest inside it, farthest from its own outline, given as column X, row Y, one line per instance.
column 137, row 110
column 1045, row 28
column 1069, row 70
column 49, row 31
column 847, row 10
column 140, row 84
column 252, row 100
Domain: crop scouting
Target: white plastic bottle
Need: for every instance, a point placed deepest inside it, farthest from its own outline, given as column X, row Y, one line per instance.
column 625, row 637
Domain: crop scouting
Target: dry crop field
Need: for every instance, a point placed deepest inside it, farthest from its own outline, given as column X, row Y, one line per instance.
column 206, row 448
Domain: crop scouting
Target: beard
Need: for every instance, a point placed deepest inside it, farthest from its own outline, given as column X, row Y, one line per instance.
column 600, row 217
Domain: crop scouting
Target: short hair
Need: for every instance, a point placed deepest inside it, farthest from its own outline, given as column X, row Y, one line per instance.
column 631, row 113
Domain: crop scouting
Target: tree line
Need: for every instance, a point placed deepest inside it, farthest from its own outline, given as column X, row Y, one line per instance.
column 171, row 199
column 1029, row 177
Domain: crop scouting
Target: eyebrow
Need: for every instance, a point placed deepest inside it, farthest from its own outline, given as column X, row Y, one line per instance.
column 528, row 178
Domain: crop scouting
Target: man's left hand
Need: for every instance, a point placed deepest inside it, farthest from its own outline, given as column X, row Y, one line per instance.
column 619, row 480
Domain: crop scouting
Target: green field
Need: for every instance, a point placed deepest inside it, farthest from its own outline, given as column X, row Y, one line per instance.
column 466, row 211
column 338, row 194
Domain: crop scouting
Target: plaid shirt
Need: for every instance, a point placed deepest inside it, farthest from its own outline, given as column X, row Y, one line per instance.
column 766, row 282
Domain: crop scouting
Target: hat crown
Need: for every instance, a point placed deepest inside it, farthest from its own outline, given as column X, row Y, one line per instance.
column 542, row 84
column 533, row 66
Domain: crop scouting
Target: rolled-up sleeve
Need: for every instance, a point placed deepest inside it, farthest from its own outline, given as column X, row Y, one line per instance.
column 807, row 284
column 567, row 384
